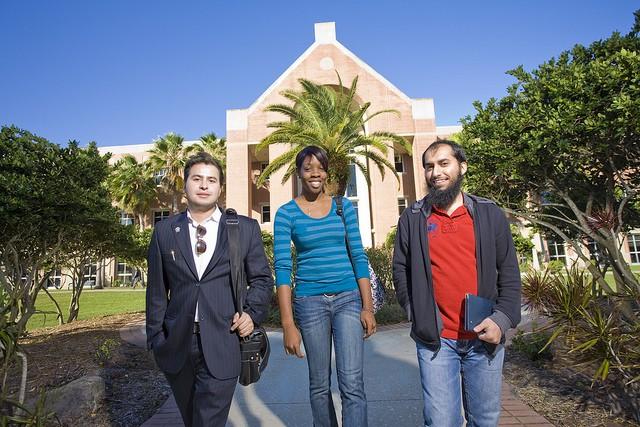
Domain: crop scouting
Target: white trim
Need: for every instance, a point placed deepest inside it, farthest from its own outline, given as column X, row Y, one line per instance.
column 449, row 130
column 280, row 79
column 237, row 119
column 125, row 149
column 373, row 72
column 364, row 207
column 325, row 32
column 136, row 148
column 423, row 109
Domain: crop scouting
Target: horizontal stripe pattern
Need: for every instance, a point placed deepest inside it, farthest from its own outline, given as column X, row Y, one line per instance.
column 323, row 264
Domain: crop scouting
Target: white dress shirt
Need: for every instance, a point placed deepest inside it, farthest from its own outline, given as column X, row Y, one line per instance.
column 210, row 238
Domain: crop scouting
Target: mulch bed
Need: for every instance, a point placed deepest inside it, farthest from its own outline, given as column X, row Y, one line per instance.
column 135, row 388
column 563, row 395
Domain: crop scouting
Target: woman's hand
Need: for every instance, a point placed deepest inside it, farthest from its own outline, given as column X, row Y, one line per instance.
column 368, row 321
column 292, row 341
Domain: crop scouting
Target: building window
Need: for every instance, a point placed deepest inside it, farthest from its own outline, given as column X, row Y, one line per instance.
column 266, row 213
column 594, row 252
column 160, row 215
column 124, row 272
column 126, row 218
column 89, row 274
column 355, row 208
column 556, row 251
column 352, row 188
column 55, row 279
column 159, row 175
column 634, row 248
column 399, row 163
column 402, row 205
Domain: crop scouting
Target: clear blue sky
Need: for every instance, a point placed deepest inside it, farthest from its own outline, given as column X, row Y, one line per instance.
column 124, row 72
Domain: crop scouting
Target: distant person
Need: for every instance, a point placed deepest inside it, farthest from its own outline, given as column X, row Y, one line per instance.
column 191, row 318
column 447, row 245
column 136, row 278
column 333, row 305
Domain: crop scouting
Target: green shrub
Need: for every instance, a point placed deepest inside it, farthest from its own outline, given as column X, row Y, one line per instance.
column 390, row 240
column 533, row 345
column 523, row 245
column 104, row 353
column 267, row 242
column 391, row 313
column 381, row 259
column 597, row 332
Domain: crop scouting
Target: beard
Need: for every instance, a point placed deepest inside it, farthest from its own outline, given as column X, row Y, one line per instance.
column 443, row 198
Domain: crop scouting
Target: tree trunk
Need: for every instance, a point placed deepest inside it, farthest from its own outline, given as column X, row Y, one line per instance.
column 141, row 222
column 60, row 316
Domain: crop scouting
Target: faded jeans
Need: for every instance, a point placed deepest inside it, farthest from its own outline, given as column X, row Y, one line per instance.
column 324, row 319
column 460, row 375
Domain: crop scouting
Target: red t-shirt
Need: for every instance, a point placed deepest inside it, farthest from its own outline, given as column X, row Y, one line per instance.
column 452, row 249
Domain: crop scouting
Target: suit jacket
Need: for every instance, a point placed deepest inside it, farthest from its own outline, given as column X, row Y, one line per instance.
column 174, row 288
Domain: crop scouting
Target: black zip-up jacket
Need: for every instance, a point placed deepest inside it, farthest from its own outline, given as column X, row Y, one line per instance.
column 497, row 267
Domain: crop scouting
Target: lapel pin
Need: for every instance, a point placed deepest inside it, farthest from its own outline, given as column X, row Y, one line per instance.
column 177, row 229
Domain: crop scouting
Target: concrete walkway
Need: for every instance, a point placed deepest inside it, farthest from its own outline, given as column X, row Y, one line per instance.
column 392, row 382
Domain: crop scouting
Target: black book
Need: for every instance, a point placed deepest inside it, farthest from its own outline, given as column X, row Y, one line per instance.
column 476, row 309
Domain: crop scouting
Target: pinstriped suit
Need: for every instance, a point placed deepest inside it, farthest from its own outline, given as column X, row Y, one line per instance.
column 174, row 288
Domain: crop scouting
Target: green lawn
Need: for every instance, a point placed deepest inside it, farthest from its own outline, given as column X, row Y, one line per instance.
column 609, row 276
column 93, row 303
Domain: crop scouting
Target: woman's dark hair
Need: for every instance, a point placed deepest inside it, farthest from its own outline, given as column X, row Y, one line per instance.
column 203, row 158
column 315, row 151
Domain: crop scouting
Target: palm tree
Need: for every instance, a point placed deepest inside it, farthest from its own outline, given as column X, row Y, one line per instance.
column 213, row 145
column 132, row 187
column 329, row 118
column 168, row 156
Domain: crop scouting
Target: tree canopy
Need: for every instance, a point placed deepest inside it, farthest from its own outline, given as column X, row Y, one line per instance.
column 51, row 199
column 562, row 148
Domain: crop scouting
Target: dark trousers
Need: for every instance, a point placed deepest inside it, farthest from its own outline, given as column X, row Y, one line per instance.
column 203, row 401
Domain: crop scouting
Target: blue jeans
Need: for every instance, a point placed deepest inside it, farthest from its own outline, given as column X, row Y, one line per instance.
column 461, row 375
column 323, row 318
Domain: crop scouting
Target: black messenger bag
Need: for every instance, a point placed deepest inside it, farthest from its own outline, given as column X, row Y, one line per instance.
column 254, row 349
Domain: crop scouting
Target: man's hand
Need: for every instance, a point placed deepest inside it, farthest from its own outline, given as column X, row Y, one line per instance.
column 292, row 341
column 488, row 331
column 368, row 321
column 244, row 324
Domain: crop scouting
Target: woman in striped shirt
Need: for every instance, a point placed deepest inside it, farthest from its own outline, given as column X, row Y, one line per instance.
column 332, row 300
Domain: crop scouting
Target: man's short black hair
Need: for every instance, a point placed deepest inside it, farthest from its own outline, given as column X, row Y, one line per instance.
column 458, row 151
column 203, row 158
column 315, row 151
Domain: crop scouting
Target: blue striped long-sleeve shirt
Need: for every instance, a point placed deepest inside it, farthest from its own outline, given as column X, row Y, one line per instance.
column 323, row 264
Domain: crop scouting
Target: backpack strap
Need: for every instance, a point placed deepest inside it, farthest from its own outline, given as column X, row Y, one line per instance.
column 235, row 258
column 340, row 213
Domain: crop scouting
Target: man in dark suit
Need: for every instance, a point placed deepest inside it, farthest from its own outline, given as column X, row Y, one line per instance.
column 192, row 324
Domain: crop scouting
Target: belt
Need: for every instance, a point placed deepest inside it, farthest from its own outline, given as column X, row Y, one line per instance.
column 196, row 327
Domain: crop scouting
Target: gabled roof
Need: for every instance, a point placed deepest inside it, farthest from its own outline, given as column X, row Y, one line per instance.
column 325, row 33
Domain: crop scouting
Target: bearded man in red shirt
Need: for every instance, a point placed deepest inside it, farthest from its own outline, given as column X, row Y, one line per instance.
column 448, row 245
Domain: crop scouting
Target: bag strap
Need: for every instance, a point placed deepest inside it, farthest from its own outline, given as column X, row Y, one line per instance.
column 340, row 212
column 235, row 258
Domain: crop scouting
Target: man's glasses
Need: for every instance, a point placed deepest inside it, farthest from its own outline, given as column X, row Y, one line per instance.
column 201, row 246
